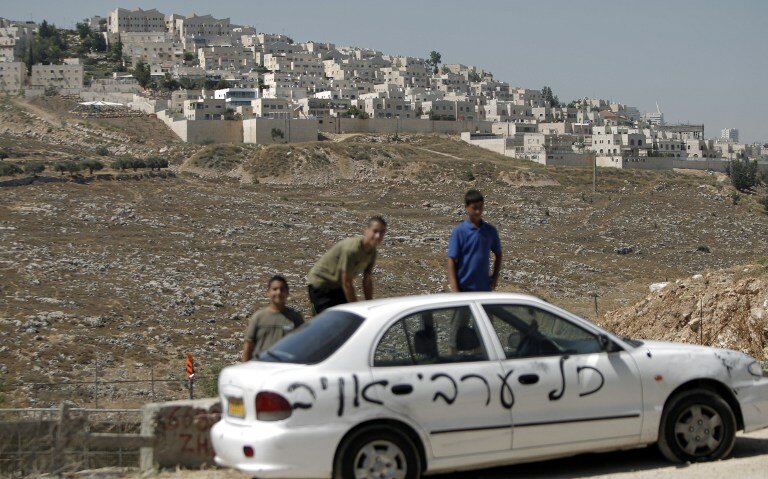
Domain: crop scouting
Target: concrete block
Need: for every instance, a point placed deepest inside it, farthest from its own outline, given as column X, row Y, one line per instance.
column 182, row 433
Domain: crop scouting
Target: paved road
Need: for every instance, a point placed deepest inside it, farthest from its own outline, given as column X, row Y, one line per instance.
column 748, row 461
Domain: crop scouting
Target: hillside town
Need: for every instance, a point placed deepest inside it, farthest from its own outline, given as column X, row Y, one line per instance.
column 213, row 81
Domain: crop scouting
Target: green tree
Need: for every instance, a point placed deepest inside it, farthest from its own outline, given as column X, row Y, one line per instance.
column 435, row 58
column 34, row 168
column 189, row 56
column 115, row 52
column 743, row 174
column 119, row 164
column 99, row 43
column 550, row 98
column 92, row 165
column 357, row 113
column 83, row 29
column 141, row 72
column 156, row 162
column 168, row 83
column 136, row 163
column 61, row 166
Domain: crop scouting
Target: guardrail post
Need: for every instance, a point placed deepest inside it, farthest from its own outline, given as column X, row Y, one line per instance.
column 60, row 440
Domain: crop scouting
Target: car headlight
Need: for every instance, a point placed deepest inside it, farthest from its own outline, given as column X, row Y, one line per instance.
column 755, row 369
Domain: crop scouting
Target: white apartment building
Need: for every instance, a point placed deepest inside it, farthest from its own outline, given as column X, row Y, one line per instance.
column 235, row 97
column 14, row 40
column 225, row 58
column 272, row 108
column 322, row 107
column 731, row 134
column 152, row 48
column 386, row 108
column 178, row 97
column 449, row 110
column 419, row 95
column 205, row 109
column 614, row 140
column 136, row 20
column 201, row 26
column 12, row 76
column 56, row 76
column 450, row 83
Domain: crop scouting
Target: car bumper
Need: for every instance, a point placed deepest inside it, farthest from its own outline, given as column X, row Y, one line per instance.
column 754, row 405
column 302, row 452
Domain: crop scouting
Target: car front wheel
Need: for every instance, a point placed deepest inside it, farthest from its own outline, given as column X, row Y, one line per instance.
column 697, row 426
column 375, row 453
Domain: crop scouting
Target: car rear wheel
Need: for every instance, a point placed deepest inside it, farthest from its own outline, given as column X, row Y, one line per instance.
column 697, row 426
column 377, row 453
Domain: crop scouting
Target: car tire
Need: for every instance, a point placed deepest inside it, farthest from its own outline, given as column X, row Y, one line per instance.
column 697, row 426
column 377, row 451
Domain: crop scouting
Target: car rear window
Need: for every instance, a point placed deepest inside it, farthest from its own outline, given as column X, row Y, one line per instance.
column 316, row 340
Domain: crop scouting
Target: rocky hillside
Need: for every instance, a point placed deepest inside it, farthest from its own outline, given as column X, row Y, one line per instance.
column 723, row 308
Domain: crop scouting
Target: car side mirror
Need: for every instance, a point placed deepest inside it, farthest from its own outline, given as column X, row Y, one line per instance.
column 607, row 345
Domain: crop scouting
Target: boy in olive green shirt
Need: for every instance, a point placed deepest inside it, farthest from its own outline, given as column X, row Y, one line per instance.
column 268, row 325
column 331, row 280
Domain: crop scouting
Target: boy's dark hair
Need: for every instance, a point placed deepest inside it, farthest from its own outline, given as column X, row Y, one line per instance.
column 277, row 277
column 473, row 196
column 377, row 219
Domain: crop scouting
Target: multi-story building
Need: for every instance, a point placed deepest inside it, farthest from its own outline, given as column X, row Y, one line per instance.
column 225, row 58
column 235, row 97
column 201, row 26
column 386, row 108
column 14, row 40
column 272, row 108
column 322, row 107
column 730, row 134
column 136, row 20
column 152, row 48
column 56, row 76
column 205, row 108
column 12, row 75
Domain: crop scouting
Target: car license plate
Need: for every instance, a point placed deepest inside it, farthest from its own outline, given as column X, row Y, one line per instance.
column 235, row 407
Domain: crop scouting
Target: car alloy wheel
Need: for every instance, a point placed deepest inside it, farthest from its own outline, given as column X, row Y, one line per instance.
column 699, row 430
column 380, row 460
column 377, row 452
column 697, row 425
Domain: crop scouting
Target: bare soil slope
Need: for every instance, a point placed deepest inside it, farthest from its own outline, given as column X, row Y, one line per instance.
column 116, row 279
column 724, row 308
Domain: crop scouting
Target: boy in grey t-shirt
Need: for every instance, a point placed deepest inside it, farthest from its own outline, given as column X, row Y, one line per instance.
column 268, row 325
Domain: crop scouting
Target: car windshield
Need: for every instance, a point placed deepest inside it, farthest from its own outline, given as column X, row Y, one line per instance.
column 316, row 340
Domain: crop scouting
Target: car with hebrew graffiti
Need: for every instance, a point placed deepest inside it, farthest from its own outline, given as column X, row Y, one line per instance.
column 401, row 387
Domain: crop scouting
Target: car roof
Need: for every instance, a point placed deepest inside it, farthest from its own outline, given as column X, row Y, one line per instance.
column 401, row 303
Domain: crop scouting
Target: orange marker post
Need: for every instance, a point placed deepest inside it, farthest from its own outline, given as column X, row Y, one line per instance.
column 191, row 374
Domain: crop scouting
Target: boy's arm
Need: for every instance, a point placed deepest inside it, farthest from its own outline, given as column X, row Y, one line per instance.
column 368, row 285
column 496, row 270
column 247, row 350
column 452, row 279
column 348, row 286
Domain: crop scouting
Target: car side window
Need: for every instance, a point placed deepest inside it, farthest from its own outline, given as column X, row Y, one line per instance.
column 526, row 331
column 446, row 335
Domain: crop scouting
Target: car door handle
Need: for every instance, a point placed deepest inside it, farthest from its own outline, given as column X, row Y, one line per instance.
column 528, row 379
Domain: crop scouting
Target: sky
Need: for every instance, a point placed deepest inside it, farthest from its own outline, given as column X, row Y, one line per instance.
column 703, row 61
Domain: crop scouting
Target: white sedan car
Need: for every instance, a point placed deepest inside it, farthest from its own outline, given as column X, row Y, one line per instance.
column 401, row 387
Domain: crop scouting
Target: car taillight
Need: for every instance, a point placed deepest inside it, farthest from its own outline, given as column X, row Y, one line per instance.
column 272, row 407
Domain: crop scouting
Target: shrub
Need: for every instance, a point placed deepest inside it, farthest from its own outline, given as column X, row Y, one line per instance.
column 9, row 169
column 764, row 201
column 102, row 151
column 743, row 174
column 34, row 168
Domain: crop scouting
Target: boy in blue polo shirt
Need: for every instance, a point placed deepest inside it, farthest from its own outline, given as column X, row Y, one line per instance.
column 469, row 249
